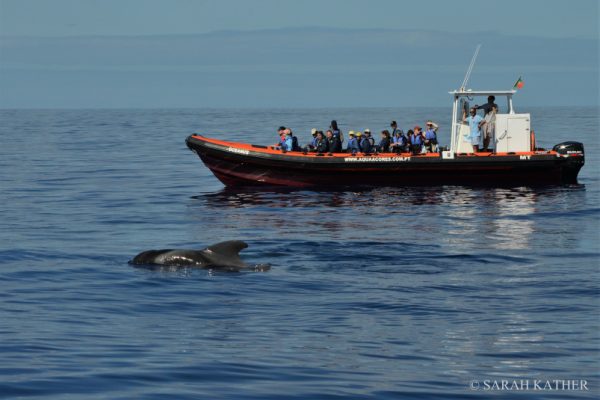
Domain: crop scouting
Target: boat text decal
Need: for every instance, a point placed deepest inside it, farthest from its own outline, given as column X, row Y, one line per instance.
column 238, row 151
column 376, row 159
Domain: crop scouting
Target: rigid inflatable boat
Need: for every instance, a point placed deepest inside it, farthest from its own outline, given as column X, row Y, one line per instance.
column 513, row 160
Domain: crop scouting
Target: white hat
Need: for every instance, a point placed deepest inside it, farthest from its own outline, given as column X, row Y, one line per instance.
column 367, row 130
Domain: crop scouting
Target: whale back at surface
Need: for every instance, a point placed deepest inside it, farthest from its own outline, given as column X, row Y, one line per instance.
column 221, row 255
column 225, row 254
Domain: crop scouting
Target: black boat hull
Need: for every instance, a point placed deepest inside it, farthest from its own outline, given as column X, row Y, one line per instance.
column 237, row 164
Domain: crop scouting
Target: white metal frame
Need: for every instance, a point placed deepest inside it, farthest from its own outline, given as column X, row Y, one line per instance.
column 458, row 94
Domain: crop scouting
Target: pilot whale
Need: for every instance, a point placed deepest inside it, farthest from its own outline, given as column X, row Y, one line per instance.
column 223, row 256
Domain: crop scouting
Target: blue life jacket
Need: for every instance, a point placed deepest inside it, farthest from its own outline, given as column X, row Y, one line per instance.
column 416, row 140
column 430, row 134
column 353, row 145
column 313, row 142
column 295, row 145
column 288, row 144
column 365, row 145
column 400, row 140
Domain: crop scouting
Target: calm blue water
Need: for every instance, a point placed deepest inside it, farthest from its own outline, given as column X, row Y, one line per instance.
column 377, row 294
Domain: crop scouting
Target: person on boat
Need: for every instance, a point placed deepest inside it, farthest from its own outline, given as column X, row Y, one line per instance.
column 313, row 142
column 352, row 143
column 321, row 145
column 333, row 143
column 336, row 131
column 475, row 123
column 370, row 138
column 416, row 140
column 490, row 109
column 394, row 126
column 364, row 143
column 281, row 134
column 288, row 142
column 384, row 143
column 399, row 142
column 489, row 106
column 431, row 142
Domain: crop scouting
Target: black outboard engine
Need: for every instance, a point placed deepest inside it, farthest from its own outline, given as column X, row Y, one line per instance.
column 568, row 148
column 575, row 155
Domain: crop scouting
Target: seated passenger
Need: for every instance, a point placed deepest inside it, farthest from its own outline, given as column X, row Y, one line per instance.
column 281, row 134
column 333, row 142
column 288, row 143
column 313, row 141
column 384, row 143
column 416, row 140
column 352, row 143
column 431, row 143
column 399, row 142
column 369, row 137
column 321, row 144
column 363, row 143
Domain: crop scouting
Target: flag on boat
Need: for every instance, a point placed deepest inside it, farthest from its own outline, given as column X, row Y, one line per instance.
column 519, row 84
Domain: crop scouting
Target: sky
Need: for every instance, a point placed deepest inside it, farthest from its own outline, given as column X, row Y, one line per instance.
column 236, row 53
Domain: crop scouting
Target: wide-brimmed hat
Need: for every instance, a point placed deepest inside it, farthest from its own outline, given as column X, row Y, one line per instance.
column 313, row 131
column 358, row 133
column 351, row 133
column 367, row 130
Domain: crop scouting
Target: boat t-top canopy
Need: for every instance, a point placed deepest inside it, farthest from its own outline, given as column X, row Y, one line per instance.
column 463, row 96
column 496, row 93
column 470, row 92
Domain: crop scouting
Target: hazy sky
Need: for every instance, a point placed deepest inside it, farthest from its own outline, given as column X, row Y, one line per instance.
column 280, row 53
column 554, row 18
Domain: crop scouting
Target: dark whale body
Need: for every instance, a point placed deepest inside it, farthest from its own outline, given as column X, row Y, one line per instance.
column 223, row 256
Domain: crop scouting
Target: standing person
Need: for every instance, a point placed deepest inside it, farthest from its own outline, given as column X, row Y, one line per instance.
column 489, row 106
column 489, row 128
column 475, row 123
column 336, row 131
column 490, row 109
column 416, row 140
column 384, row 143
column 431, row 142
column 352, row 143
column 394, row 126
column 333, row 143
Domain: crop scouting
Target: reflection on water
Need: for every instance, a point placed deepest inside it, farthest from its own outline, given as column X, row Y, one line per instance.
column 480, row 218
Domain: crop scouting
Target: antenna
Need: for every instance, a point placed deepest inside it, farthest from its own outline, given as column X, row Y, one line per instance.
column 463, row 87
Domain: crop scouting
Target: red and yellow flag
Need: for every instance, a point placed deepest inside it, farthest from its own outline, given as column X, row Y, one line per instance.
column 519, row 84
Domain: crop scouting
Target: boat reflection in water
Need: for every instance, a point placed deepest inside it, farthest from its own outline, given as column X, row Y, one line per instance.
column 454, row 216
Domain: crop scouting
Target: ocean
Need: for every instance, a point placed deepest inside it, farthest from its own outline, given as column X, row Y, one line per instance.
column 385, row 293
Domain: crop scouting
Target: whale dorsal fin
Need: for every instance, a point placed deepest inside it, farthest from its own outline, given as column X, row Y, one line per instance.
column 226, row 254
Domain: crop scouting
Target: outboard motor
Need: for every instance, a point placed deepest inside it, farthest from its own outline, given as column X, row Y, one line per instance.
column 568, row 148
column 575, row 155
